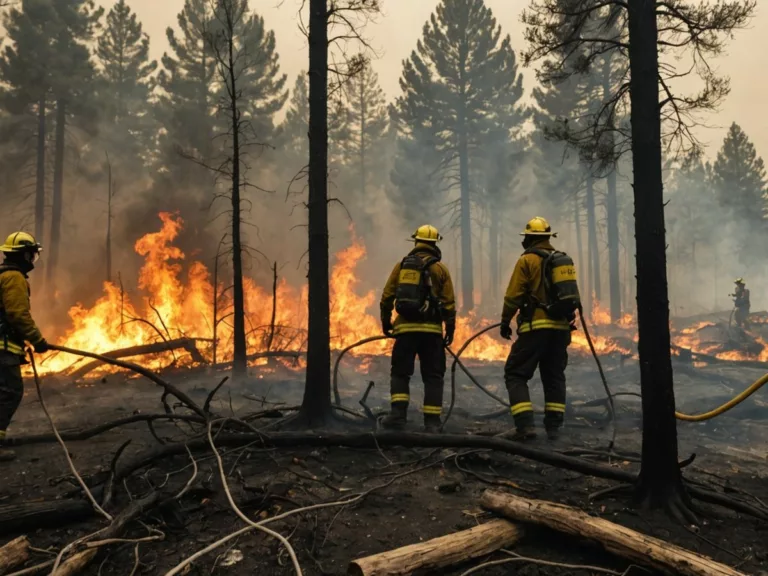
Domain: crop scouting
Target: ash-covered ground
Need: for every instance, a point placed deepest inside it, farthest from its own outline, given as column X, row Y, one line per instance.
column 433, row 492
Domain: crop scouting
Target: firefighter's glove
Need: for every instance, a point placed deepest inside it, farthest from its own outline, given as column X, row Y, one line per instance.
column 450, row 328
column 506, row 331
column 386, row 326
column 42, row 346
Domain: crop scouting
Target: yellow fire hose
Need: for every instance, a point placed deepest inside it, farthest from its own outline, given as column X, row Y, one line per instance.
column 736, row 400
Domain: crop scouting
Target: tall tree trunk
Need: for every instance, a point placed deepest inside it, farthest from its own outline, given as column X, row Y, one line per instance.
column 58, row 187
column 109, row 220
column 363, row 143
column 467, row 269
column 660, row 482
column 614, row 274
column 239, row 360
column 40, row 180
column 592, row 248
column 577, row 224
column 612, row 215
column 316, row 406
column 493, row 251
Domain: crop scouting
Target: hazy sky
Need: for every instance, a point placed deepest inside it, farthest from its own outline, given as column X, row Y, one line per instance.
column 396, row 31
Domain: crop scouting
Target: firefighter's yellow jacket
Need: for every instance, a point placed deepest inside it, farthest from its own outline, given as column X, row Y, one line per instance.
column 525, row 290
column 15, row 316
column 442, row 292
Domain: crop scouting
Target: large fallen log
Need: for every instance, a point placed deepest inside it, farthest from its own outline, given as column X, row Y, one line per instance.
column 13, row 554
column 188, row 344
column 439, row 552
column 625, row 542
column 26, row 516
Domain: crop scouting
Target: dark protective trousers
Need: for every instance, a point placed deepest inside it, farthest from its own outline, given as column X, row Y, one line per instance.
column 548, row 350
column 11, row 389
column 429, row 348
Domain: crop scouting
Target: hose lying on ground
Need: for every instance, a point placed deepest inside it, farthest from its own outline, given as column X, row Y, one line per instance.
column 736, row 400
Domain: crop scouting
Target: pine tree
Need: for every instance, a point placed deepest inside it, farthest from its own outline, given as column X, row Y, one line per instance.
column 72, row 83
column 453, row 84
column 127, row 75
column 187, row 102
column 740, row 178
column 25, row 69
column 262, row 83
column 366, row 122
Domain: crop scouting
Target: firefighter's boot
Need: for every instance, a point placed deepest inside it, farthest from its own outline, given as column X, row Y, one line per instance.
column 521, row 434
column 397, row 417
column 432, row 424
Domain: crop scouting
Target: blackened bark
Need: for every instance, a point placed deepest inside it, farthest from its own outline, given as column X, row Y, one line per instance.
column 40, row 181
column 592, row 249
column 239, row 360
column 316, row 406
column 58, row 187
column 660, row 482
column 580, row 244
column 467, row 269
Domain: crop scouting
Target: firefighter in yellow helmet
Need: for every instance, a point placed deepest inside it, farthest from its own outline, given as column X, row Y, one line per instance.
column 20, row 252
column 544, row 331
column 741, row 304
column 420, row 290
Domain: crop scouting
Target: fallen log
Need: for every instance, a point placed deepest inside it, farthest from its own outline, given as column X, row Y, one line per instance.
column 86, row 433
column 26, row 516
column 625, row 542
column 439, row 552
column 13, row 554
column 75, row 564
column 188, row 344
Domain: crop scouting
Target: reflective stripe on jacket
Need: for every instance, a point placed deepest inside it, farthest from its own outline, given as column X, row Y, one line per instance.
column 442, row 292
column 15, row 313
column 526, row 288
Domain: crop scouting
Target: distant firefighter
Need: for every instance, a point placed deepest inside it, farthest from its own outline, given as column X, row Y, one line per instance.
column 741, row 304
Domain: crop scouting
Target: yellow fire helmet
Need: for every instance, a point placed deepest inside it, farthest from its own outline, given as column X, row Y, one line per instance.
column 739, row 281
column 20, row 242
column 538, row 226
column 426, row 233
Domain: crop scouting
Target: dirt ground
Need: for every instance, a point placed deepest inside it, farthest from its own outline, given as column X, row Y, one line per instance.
column 433, row 492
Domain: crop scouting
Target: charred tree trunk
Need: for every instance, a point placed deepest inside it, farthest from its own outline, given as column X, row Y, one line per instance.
column 58, row 187
column 493, row 251
column 592, row 249
column 40, row 181
column 239, row 360
column 316, row 406
column 660, row 481
column 467, row 269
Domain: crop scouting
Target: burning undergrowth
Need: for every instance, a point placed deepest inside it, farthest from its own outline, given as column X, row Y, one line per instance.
column 179, row 299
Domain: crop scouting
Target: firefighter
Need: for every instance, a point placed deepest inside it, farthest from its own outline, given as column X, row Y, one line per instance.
column 16, row 325
column 543, row 337
column 741, row 304
column 421, row 292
